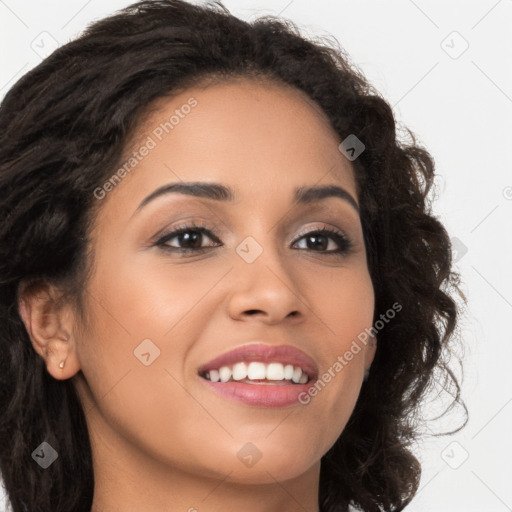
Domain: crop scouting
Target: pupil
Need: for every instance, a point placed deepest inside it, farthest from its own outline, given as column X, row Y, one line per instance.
column 318, row 239
column 187, row 238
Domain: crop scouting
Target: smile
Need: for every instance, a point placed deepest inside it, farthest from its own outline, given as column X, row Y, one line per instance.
column 258, row 372
column 260, row 375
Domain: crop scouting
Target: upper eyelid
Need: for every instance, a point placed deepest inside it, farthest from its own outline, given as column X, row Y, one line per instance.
column 305, row 210
column 191, row 225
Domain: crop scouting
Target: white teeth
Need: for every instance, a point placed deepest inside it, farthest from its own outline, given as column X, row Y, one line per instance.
column 225, row 373
column 214, row 375
column 275, row 371
column 258, row 371
column 239, row 371
column 297, row 374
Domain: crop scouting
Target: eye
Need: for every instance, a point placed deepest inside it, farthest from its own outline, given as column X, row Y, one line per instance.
column 190, row 238
column 320, row 241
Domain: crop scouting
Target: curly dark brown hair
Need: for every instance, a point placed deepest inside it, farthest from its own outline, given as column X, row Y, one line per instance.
column 64, row 127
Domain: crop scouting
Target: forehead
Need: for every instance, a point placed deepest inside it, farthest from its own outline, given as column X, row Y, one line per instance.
column 257, row 136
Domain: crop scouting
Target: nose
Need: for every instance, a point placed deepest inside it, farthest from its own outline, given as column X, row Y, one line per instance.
column 266, row 289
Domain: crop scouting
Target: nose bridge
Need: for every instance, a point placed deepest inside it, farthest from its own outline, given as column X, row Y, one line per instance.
column 261, row 234
column 263, row 281
column 261, row 250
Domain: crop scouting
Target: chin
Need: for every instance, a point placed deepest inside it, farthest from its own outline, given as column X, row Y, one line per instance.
column 270, row 471
column 272, row 460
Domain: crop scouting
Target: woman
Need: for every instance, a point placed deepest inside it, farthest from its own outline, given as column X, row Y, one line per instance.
column 222, row 287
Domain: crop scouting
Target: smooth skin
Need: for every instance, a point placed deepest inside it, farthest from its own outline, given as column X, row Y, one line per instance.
column 161, row 439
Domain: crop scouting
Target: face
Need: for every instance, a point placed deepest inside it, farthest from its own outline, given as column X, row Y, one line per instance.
column 248, row 269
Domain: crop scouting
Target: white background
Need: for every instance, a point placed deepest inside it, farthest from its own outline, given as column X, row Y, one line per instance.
column 459, row 103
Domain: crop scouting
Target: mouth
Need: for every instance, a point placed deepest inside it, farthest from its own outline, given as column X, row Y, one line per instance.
column 257, row 372
column 260, row 375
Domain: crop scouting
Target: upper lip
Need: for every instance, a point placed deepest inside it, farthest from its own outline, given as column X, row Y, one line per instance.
column 258, row 351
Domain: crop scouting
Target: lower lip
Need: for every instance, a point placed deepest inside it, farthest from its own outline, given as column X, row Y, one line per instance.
column 260, row 395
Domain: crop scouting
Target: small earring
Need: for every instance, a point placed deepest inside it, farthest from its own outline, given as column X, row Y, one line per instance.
column 366, row 374
column 61, row 365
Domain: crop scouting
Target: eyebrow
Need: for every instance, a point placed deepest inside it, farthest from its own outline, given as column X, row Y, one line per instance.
column 219, row 192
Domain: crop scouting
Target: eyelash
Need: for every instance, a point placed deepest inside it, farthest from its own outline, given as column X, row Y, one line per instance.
column 340, row 238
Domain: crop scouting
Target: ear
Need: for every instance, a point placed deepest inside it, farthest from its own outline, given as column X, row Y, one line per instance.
column 50, row 327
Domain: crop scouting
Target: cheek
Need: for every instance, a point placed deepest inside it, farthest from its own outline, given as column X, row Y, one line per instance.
column 140, row 397
column 346, row 310
column 345, row 304
column 145, row 297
